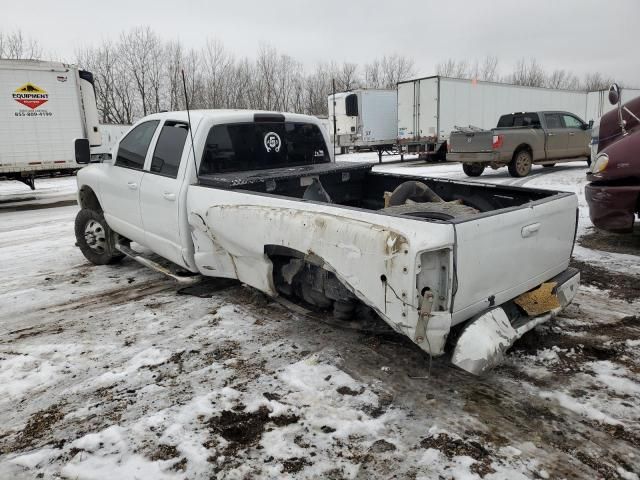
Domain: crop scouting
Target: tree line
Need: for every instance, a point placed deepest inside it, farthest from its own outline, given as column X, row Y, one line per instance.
column 526, row 72
column 140, row 73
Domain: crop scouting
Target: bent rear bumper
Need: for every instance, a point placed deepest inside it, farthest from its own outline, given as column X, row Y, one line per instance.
column 612, row 208
column 486, row 338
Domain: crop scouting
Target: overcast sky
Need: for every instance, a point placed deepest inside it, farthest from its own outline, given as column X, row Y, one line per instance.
column 578, row 35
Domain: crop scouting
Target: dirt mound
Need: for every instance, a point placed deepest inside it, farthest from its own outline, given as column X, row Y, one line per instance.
column 625, row 287
column 454, row 447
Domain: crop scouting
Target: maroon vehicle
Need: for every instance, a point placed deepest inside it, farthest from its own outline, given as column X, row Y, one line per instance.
column 614, row 192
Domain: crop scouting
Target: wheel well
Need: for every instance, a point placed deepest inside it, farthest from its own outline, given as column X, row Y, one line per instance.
column 88, row 199
column 519, row 148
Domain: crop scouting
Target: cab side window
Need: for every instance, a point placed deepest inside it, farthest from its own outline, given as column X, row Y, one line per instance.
column 553, row 120
column 133, row 147
column 571, row 122
column 169, row 147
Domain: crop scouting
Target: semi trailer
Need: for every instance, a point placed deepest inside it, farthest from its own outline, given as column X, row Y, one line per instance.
column 44, row 106
column 363, row 119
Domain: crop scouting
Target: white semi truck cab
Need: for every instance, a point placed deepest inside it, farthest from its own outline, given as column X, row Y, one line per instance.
column 257, row 197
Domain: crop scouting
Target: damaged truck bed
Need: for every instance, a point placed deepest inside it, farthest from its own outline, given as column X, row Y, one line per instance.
column 258, row 197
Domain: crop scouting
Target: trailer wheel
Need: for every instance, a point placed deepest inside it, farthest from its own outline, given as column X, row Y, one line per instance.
column 95, row 239
column 473, row 169
column 520, row 166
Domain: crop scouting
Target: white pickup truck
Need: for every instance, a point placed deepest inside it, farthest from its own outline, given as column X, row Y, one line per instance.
column 257, row 197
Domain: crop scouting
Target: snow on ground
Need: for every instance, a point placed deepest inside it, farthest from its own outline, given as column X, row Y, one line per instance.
column 108, row 372
column 48, row 190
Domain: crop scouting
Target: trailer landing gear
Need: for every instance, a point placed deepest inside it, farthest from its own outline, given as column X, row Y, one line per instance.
column 29, row 181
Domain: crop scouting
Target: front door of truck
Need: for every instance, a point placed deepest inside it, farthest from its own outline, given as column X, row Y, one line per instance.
column 119, row 191
column 161, row 196
column 557, row 137
column 579, row 136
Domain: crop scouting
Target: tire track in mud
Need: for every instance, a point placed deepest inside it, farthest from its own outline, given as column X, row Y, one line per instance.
column 116, row 296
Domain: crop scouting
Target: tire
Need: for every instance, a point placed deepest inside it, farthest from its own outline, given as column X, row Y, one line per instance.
column 95, row 239
column 549, row 165
column 520, row 166
column 473, row 169
column 433, row 210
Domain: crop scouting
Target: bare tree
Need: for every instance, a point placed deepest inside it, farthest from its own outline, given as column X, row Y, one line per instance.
column 395, row 68
column 347, row 76
column 528, row 73
column 141, row 52
column 15, row 46
column 217, row 64
column 561, row 78
column 596, row 81
column 454, row 68
column 488, row 69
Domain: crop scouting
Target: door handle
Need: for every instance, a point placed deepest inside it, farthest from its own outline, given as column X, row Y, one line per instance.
column 169, row 196
column 132, row 185
column 530, row 230
column 551, row 134
column 571, row 134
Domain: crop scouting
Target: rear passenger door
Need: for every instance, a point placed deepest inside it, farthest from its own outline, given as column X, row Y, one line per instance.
column 579, row 137
column 557, row 137
column 161, row 198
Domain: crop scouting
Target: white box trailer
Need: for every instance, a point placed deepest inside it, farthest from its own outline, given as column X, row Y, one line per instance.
column 364, row 118
column 44, row 106
column 598, row 102
column 430, row 108
column 110, row 135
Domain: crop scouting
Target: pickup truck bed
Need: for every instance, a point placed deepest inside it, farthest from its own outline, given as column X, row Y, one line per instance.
column 511, row 224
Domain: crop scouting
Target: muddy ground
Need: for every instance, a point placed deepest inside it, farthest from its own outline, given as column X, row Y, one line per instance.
column 109, row 372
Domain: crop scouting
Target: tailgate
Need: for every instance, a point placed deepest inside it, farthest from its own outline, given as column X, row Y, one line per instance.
column 500, row 256
column 480, row 141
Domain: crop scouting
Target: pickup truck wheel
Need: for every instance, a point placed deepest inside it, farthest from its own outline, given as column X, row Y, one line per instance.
column 95, row 239
column 520, row 166
column 472, row 169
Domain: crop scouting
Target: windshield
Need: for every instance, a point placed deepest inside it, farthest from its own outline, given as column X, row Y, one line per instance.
column 257, row 146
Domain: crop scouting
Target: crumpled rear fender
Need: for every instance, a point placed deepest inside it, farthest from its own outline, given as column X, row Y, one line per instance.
column 230, row 241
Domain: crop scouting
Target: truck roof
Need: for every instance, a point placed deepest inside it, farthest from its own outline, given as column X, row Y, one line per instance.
column 538, row 112
column 234, row 116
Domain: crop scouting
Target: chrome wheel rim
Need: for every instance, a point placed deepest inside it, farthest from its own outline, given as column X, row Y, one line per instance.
column 95, row 236
column 522, row 164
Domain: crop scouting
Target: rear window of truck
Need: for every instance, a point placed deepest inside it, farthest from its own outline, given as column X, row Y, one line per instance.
column 519, row 120
column 238, row 147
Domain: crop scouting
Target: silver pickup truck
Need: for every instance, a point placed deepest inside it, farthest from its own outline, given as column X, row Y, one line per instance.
column 519, row 141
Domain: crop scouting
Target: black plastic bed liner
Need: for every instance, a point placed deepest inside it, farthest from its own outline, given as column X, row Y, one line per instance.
column 245, row 180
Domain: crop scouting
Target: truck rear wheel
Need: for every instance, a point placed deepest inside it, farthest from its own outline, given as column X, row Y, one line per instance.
column 520, row 166
column 473, row 169
column 95, row 239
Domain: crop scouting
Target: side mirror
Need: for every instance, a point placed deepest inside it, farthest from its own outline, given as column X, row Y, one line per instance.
column 590, row 124
column 614, row 94
column 83, row 152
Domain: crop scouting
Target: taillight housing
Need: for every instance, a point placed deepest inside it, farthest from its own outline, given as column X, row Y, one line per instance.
column 497, row 141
